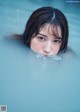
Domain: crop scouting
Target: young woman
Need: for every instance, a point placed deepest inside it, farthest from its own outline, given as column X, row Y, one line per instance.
column 46, row 31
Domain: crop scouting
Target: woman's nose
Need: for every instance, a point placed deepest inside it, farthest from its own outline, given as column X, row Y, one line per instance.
column 47, row 47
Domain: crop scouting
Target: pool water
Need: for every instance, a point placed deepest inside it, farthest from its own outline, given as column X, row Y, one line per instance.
column 30, row 82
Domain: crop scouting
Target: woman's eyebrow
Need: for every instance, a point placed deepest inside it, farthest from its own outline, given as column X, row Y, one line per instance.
column 42, row 34
column 58, row 37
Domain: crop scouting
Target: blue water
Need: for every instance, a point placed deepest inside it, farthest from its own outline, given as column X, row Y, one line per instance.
column 30, row 82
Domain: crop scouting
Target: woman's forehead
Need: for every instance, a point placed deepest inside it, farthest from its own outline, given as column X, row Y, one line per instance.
column 50, row 29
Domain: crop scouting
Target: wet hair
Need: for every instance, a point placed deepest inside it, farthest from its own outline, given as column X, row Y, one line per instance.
column 43, row 16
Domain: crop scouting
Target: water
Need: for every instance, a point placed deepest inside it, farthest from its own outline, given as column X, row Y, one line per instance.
column 30, row 82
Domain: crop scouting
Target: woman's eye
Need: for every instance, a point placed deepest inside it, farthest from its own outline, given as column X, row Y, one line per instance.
column 41, row 38
column 57, row 41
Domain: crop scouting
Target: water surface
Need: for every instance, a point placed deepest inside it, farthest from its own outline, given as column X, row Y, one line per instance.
column 28, row 82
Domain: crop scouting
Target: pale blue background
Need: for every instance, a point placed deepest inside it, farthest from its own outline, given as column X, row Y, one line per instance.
column 29, row 84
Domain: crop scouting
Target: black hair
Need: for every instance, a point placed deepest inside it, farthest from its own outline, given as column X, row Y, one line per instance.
column 42, row 16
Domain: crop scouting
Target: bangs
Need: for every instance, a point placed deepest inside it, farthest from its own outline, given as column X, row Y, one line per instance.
column 54, row 30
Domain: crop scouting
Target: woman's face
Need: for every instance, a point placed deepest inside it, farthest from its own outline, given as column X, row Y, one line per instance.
column 46, row 42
